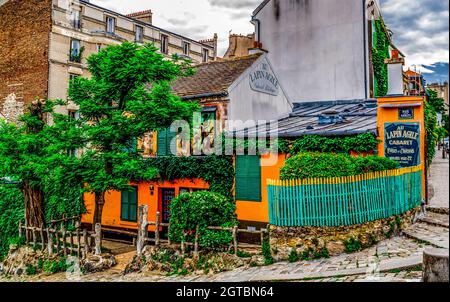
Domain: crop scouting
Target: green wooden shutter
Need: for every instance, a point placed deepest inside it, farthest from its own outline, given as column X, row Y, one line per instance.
column 129, row 205
column 124, row 212
column 164, row 141
column 248, row 178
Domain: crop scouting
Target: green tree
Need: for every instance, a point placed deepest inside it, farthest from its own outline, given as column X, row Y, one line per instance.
column 128, row 95
column 32, row 152
column 433, row 106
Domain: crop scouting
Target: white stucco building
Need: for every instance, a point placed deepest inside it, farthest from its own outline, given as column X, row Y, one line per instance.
column 320, row 49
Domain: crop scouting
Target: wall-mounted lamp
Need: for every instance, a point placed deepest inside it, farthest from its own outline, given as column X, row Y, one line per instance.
column 152, row 190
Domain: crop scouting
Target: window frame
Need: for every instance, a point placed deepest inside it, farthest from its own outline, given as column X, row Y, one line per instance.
column 239, row 176
column 164, row 44
column 71, row 53
column 205, row 55
column 113, row 31
column 122, row 216
column 76, row 22
column 139, row 39
column 186, row 48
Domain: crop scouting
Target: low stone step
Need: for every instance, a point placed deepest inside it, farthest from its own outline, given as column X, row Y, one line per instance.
column 436, row 236
column 438, row 210
column 436, row 219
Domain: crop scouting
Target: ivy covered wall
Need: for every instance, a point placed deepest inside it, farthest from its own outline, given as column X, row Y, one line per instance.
column 380, row 52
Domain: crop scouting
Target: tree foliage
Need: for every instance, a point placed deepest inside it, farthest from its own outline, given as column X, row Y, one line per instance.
column 433, row 106
column 128, row 95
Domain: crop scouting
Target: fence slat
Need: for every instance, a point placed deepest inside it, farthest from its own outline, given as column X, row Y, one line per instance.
column 344, row 200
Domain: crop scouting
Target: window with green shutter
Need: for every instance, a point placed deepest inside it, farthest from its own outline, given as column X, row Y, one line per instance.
column 248, row 178
column 129, row 205
column 165, row 138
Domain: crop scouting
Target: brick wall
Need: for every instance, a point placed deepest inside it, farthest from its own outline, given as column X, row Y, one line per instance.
column 24, row 44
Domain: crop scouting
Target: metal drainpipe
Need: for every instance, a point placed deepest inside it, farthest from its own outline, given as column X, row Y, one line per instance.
column 258, row 33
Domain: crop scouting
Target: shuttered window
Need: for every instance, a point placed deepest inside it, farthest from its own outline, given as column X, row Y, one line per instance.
column 165, row 138
column 129, row 205
column 248, row 178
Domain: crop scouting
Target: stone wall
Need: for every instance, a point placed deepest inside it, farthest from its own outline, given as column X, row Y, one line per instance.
column 24, row 42
column 333, row 239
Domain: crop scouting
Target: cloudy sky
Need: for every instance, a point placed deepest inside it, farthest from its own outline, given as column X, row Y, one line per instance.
column 421, row 27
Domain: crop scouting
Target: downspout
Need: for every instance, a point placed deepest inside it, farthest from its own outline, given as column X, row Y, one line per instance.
column 257, row 23
column 365, row 47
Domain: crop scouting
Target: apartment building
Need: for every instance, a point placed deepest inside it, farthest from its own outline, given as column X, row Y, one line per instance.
column 44, row 44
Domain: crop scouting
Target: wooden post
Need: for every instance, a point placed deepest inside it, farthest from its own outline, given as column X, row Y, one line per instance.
column 183, row 244
column 34, row 237
column 27, row 235
column 235, row 243
column 20, row 229
column 49, row 242
column 158, row 215
column 64, row 234
column 78, row 244
column 86, row 242
column 71, row 241
column 142, row 229
column 196, row 240
column 98, row 239
column 57, row 240
column 42, row 237
column 262, row 236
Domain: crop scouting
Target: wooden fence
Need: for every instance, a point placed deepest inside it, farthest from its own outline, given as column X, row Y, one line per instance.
column 343, row 201
column 143, row 237
column 57, row 240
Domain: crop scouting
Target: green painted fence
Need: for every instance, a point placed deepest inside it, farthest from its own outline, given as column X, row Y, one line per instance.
column 344, row 201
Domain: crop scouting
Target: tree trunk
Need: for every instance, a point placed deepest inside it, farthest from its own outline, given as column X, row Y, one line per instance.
column 99, row 203
column 34, row 205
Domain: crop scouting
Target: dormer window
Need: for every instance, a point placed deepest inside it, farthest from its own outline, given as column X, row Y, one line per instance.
column 110, row 24
column 186, row 48
column 205, row 55
column 139, row 38
column 164, row 44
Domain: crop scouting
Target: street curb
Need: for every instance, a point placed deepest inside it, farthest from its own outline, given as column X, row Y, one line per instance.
column 384, row 267
column 424, row 239
column 438, row 210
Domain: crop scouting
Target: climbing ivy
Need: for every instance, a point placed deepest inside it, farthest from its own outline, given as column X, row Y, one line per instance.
column 218, row 171
column 380, row 52
column 361, row 143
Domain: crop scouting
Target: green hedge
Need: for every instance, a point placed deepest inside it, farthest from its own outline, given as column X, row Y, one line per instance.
column 202, row 209
column 11, row 212
column 323, row 165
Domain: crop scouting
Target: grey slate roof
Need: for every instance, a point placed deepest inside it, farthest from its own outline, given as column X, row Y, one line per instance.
column 358, row 116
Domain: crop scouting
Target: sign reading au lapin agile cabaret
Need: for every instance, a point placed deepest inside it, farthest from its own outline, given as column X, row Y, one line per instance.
column 402, row 143
column 263, row 80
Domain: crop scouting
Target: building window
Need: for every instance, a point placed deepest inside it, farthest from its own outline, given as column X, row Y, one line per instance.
column 73, row 76
column 248, row 178
column 166, row 139
column 75, row 51
column 73, row 116
column 110, row 25
column 99, row 47
column 164, row 44
column 205, row 55
column 139, row 34
column 129, row 205
column 186, row 48
column 76, row 19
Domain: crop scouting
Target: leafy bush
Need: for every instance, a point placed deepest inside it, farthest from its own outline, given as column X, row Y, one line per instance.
column 293, row 256
column 202, row 209
column 322, row 165
column 366, row 142
column 352, row 245
column 11, row 212
column 53, row 267
column 268, row 258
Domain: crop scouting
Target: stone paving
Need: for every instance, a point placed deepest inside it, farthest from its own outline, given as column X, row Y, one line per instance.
column 439, row 180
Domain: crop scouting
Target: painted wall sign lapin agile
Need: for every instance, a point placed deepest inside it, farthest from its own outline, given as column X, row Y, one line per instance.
column 263, row 80
column 402, row 143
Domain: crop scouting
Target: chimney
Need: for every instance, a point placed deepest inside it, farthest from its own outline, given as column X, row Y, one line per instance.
column 395, row 73
column 144, row 16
